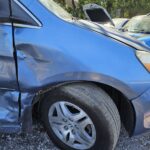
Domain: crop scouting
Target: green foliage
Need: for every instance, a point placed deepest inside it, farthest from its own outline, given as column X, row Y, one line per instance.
column 118, row 8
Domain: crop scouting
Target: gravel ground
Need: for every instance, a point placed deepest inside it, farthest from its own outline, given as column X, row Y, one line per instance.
column 39, row 140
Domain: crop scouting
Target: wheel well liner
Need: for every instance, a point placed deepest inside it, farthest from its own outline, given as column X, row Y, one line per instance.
column 124, row 105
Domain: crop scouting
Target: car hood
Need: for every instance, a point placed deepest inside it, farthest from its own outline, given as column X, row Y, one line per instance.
column 113, row 33
column 97, row 13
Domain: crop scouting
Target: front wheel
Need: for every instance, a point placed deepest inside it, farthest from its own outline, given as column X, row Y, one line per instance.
column 81, row 117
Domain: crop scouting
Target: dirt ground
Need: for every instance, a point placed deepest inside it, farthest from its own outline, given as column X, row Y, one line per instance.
column 38, row 140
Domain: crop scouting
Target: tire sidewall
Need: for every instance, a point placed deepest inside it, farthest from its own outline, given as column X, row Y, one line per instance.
column 102, row 126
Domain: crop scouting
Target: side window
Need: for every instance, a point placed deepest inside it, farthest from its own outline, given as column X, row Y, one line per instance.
column 14, row 11
column 21, row 15
column 4, row 11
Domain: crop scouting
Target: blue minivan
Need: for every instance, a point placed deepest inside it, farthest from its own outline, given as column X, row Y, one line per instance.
column 80, row 78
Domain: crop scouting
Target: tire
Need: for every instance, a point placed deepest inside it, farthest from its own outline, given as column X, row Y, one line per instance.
column 93, row 102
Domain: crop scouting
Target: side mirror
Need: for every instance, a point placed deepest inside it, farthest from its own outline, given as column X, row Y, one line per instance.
column 96, row 13
column 4, row 11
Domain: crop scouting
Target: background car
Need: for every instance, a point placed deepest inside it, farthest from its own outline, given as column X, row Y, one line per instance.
column 120, row 22
column 139, row 28
column 97, row 13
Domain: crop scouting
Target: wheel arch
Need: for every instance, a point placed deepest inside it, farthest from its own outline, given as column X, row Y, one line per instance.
column 124, row 105
column 120, row 92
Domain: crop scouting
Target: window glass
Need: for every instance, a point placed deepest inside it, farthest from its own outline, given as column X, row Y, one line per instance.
column 4, row 11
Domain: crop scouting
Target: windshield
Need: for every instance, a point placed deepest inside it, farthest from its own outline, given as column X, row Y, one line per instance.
column 138, row 25
column 56, row 8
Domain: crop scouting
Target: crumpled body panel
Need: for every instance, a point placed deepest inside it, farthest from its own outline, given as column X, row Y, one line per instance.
column 26, row 111
column 9, row 94
column 38, row 65
column 7, row 62
column 9, row 107
column 14, row 117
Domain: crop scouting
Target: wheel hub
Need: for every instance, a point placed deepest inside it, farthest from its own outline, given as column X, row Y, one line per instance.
column 72, row 125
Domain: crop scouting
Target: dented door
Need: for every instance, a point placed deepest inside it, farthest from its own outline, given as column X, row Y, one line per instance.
column 9, row 106
column 9, row 94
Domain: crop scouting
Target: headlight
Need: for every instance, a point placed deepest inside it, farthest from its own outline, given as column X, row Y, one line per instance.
column 144, row 57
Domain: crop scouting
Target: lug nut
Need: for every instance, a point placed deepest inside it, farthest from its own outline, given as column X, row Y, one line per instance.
column 64, row 120
column 66, row 127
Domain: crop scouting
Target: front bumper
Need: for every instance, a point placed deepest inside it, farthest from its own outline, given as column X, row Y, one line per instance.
column 142, row 113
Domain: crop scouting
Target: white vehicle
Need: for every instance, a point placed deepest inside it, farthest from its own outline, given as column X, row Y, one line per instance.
column 120, row 22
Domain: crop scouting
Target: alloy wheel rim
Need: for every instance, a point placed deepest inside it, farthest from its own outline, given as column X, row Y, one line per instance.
column 72, row 125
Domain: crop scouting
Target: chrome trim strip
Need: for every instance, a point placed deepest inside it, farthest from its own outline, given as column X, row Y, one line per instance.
column 26, row 26
column 20, row 25
column 7, row 24
column 30, row 14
